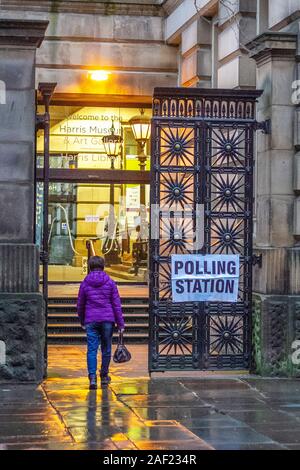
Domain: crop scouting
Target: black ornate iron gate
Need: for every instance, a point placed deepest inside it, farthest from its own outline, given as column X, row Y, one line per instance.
column 202, row 168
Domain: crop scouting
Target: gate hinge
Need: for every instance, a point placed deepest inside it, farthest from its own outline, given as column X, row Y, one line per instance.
column 40, row 121
column 264, row 126
column 44, row 257
column 257, row 260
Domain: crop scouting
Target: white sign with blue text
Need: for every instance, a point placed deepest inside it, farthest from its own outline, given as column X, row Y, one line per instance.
column 205, row 278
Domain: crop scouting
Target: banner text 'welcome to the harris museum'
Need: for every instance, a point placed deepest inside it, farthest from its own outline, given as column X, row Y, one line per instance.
column 204, row 278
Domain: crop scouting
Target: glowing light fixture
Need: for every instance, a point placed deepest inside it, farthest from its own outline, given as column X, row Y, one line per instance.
column 112, row 145
column 98, row 75
column 140, row 126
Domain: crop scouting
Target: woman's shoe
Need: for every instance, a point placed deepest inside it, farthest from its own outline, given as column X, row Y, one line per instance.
column 93, row 381
column 105, row 380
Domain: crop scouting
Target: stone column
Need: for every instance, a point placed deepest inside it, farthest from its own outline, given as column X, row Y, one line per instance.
column 22, row 332
column 237, row 26
column 276, row 317
column 196, row 66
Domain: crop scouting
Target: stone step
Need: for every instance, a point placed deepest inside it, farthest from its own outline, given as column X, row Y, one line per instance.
column 124, row 267
column 120, row 274
column 80, row 338
column 72, row 301
column 73, row 307
column 73, row 318
column 64, row 328
column 53, row 327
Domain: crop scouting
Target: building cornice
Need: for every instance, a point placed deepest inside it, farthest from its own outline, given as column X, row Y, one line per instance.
column 26, row 33
column 271, row 45
column 100, row 7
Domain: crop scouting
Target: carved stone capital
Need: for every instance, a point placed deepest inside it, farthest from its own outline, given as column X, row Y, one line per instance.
column 272, row 45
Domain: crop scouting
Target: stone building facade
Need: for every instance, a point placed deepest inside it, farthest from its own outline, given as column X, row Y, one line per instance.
column 245, row 44
column 143, row 44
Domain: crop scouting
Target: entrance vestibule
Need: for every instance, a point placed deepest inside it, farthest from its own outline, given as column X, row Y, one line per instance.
column 94, row 201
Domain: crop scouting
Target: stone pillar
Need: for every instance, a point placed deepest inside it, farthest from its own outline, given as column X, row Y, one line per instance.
column 262, row 18
column 196, row 57
column 22, row 332
column 237, row 26
column 276, row 317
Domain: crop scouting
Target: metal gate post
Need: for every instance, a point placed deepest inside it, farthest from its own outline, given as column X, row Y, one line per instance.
column 43, row 122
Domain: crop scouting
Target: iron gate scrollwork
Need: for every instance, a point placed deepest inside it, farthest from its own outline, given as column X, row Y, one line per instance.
column 202, row 157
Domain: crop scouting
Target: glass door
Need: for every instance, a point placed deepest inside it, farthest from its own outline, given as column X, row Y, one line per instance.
column 105, row 217
column 93, row 204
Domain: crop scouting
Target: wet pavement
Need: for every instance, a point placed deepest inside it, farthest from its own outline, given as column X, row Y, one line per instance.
column 135, row 412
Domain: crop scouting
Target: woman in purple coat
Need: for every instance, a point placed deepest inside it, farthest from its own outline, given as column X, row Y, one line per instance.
column 99, row 308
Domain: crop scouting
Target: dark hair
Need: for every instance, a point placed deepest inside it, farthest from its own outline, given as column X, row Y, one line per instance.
column 96, row 263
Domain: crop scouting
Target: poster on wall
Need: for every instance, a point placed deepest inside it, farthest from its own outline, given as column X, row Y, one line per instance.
column 91, row 218
column 205, row 278
column 132, row 205
column 133, row 197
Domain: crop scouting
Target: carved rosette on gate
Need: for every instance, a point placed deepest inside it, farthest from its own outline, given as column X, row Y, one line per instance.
column 202, row 154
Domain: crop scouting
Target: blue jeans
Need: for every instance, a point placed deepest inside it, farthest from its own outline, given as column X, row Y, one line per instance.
column 99, row 333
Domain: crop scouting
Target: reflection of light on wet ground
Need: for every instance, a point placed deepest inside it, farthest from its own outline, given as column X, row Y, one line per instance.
column 135, row 412
column 103, row 416
column 27, row 419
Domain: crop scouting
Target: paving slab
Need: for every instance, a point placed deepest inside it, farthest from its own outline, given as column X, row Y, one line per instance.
column 284, row 436
column 256, row 446
column 194, row 444
column 236, row 435
column 171, row 412
column 136, row 412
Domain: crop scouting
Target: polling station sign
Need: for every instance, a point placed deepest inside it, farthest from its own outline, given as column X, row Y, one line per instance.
column 205, row 278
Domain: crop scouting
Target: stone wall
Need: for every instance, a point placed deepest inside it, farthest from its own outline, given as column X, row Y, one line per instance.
column 22, row 331
column 276, row 283
column 212, row 41
column 237, row 25
column 276, row 328
column 140, row 47
column 125, row 39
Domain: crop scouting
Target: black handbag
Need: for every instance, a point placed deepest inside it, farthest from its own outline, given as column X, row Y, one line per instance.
column 121, row 354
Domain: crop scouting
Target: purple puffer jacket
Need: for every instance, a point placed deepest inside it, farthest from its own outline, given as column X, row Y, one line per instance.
column 99, row 300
